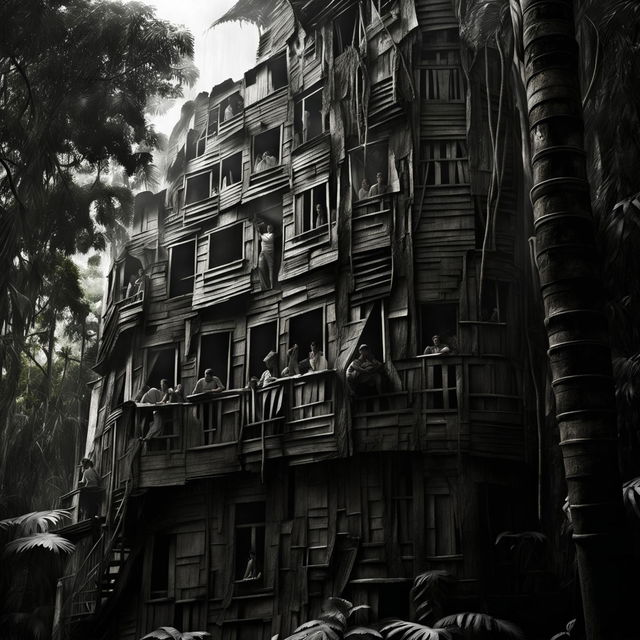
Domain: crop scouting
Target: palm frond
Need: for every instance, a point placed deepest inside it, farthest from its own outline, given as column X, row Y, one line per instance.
column 481, row 625
column 36, row 521
column 363, row 633
column 166, row 633
column 430, row 591
column 403, row 630
column 46, row 541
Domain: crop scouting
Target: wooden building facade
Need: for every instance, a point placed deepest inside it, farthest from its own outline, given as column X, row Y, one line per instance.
column 333, row 492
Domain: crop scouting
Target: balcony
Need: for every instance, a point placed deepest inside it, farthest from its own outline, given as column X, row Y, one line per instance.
column 121, row 316
column 213, row 433
column 292, row 417
column 444, row 404
column 162, row 458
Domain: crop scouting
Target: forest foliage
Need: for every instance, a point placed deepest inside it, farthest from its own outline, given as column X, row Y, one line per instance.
column 77, row 80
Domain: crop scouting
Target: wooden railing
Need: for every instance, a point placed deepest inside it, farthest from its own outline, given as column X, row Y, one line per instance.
column 219, row 417
column 309, row 397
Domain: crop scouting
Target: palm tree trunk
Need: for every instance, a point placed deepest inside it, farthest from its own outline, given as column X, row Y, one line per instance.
column 579, row 350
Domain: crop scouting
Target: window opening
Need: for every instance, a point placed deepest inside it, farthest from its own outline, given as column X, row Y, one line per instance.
column 311, row 209
column 443, row 536
column 231, row 170
column 226, row 245
column 266, row 150
column 181, row 268
column 308, row 119
column 263, row 338
column 345, row 30
column 439, row 319
column 370, row 170
column 198, row 188
column 278, row 71
column 307, row 328
column 495, row 295
column 162, row 558
column 249, row 540
column 212, row 120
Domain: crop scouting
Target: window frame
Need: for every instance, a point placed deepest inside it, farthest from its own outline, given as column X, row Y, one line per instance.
column 239, row 181
column 440, row 487
column 170, row 266
column 279, row 128
column 301, row 100
column 298, row 230
column 230, row 332
column 160, row 347
column 323, row 332
column 233, row 262
column 195, row 175
column 251, row 326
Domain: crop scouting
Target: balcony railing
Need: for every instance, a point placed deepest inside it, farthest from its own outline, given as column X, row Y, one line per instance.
column 219, row 417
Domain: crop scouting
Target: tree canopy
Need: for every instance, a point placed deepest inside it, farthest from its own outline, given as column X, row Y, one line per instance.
column 76, row 79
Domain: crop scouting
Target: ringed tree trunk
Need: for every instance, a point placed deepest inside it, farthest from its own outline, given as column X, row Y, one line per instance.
column 579, row 351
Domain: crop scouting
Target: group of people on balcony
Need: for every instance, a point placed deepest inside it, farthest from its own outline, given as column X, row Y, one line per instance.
column 378, row 189
column 265, row 161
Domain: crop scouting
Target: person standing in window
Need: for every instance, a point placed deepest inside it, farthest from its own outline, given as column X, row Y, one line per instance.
column 209, row 384
column 438, row 347
column 266, row 257
column 364, row 189
column 320, row 216
column 379, row 188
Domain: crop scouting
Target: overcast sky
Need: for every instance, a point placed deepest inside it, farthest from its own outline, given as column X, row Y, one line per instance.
column 226, row 51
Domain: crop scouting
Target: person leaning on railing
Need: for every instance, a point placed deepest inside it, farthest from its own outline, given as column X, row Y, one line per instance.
column 209, row 384
column 438, row 347
column 90, row 490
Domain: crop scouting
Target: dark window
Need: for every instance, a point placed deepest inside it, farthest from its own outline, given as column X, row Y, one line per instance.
column 307, row 328
column 232, row 106
column 278, row 71
column 161, row 365
column 198, row 188
column 250, row 77
column 191, row 144
column 269, row 141
column 215, row 354
column 308, row 120
column 366, row 163
column 181, row 268
column 345, row 30
column 444, row 162
column 439, row 319
column 226, row 245
column 262, row 339
column 162, row 558
column 495, row 297
column 231, row 170
column 249, row 539
column 212, row 120
column 443, row 536
column 202, row 145
column 118, row 390
column 311, row 209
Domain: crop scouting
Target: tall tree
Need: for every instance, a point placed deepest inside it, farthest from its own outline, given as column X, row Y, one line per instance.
column 75, row 79
column 572, row 292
